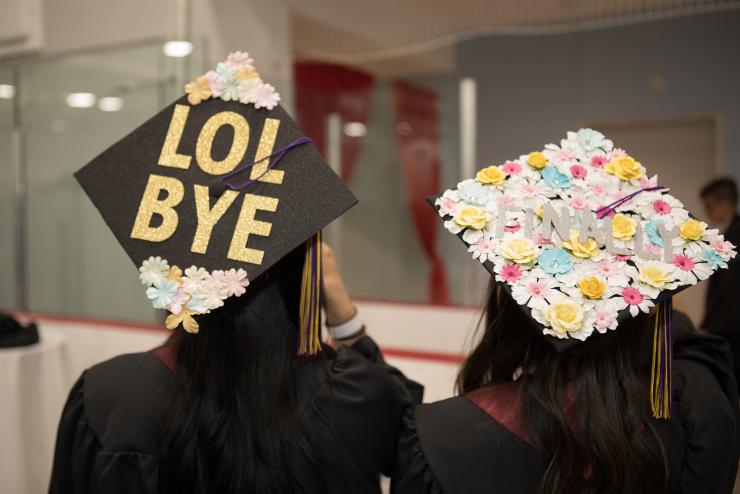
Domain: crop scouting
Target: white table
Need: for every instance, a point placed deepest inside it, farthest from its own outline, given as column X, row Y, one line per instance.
column 34, row 382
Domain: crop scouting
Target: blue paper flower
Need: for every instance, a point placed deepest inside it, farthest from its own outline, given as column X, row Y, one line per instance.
column 555, row 261
column 713, row 259
column 197, row 304
column 555, row 179
column 651, row 229
column 162, row 293
column 226, row 72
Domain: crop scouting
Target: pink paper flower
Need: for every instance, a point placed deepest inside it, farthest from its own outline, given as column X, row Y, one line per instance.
column 513, row 228
column 511, row 273
column 215, row 82
column 662, row 207
column 511, row 168
column 622, row 257
column 235, row 282
column 598, row 189
column 578, row 171
column 598, row 161
column 618, row 153
column 632, row 295
column 604, row 320
column 578, row 203
column 566, row 154
column 447, row 206
column 654, row 249
column 540, row 240
column 504, row 200
column 537, row 288
column 607, row 268
column 646, row 182
column 721, row 246
column 178, row 301
column 683, row 262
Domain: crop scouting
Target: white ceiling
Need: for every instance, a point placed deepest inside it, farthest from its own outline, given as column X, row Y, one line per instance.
column 391, row 36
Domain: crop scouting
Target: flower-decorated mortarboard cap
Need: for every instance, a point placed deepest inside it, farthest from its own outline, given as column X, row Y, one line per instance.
column 212, row 191
column 583, row 238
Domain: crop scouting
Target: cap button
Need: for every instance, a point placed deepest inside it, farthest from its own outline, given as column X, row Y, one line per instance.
column 217, row 188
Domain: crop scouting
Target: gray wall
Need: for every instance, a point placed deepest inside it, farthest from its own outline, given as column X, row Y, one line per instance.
column 531, row 89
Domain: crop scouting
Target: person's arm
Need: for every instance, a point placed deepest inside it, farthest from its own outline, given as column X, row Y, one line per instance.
column 341, row 313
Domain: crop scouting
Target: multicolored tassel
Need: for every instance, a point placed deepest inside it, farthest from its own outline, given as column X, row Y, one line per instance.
column 660, row 374
column 310, row 314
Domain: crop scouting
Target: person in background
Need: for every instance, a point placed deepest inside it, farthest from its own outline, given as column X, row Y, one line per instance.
column 722, row 309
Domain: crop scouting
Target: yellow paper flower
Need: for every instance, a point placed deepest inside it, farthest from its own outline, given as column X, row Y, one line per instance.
column 655, row 275
column 624, row 168
column 564, row 316
column 473, row 217
column 186, row 318
column 592, row 287
column 585, row 250
column 175, row 275
column 692, row 229
column 491, row 175
column 520, row 250
column 198, row 90
column 245, row 73
column 623, row 227
column 537, row 160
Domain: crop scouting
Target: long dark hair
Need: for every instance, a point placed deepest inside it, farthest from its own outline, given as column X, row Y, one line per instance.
column 602, row 440
column 232, row 424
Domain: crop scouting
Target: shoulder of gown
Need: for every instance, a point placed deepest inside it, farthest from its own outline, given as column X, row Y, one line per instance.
column 107, row 439
column 440, row 440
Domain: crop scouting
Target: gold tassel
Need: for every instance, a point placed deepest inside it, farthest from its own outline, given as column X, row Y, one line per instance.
column 661, row 368
column 310, row 311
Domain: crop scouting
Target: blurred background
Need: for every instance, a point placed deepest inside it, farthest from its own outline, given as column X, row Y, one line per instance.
column 403, row 98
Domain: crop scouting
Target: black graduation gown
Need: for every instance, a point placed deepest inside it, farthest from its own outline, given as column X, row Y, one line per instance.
column 107, row 439
column 722, row 310
column 454, row 446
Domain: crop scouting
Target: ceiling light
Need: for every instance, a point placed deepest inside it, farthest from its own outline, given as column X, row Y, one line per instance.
column 355, row 129
column 177, row 49
column 7, row 91
column 110, row 103
column 81, row 100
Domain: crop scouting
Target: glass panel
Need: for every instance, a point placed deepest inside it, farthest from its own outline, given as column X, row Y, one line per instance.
column 75, row 264
column 7, row 192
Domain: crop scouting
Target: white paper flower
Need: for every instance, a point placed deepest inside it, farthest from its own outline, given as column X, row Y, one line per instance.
column 194, row 279
column 472, row 193
column 247, row 90
column 153, row 269
column 239, row 59
column 534, row 292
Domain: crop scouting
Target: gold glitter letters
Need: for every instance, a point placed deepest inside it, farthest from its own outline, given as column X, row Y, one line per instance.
column 208, row 217
column 246, row 225
column 151, row 205
column 169, row 155
column 238, row 146
column 267, row 142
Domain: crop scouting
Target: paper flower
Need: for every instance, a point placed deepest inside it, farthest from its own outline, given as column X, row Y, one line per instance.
column 265, row 96
column 519, row 250
column 555, row 179
column 194, row 279
column 635, row 301
column 472, row 217
column 537, row 160
column 534, row 292
column 585, row 250
column 230, row 91
column 555, row 261
column 153, row 269
column 692, row 229
column 590, row 140
column 483, row 249
column 592, row 287
column 162, row 293
column 198, row 90
column 598, row 161
column 492, row 175
column 247, row 90
column 184, row 317
column 235, row 282
column 688, row 271
column 714, row 259
column 215, row 82
column 238, row 59
column 623, row 227
column 564, row 315
column 624, row 168
column 510, row 273
column 578, row 171
column 511, row 168
column 178, row 301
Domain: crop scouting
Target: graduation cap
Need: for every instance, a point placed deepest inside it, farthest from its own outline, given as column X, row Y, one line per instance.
column 583, row 239
column 215, row 189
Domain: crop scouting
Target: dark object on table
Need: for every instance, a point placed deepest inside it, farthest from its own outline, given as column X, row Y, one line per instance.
column 14, row 334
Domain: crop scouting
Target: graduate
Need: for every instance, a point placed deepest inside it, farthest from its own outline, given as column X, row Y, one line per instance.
column 584, row 380
column 219, row 201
